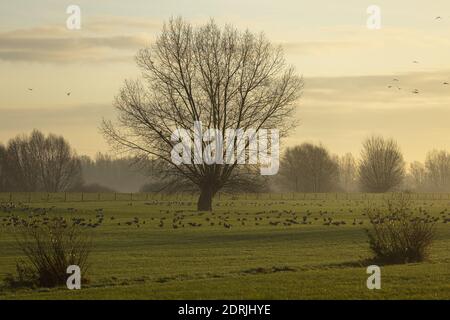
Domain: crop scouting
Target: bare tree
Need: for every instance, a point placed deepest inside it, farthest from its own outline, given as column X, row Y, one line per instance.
column 348, row 173
column 222, row 77
column 418, row 176
column 61, row 168
column 39, row 163
column 438, row 170
column 382, row 167
column 308, row 168
column 21, row 167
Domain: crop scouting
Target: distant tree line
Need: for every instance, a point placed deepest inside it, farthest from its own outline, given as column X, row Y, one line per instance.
column 381, row 168
column 116, row 174
column 39, row 163
column 433, row 175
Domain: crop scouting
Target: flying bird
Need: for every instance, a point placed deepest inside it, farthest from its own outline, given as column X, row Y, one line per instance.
column 415, row 91
column 68, row 93
column 438, row 18
column 395, row 80
column 415, row 61
column 445, row 83
column 30, row 89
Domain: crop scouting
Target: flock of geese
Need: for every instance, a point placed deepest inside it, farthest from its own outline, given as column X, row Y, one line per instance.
column 26, row 216
column 395, row 82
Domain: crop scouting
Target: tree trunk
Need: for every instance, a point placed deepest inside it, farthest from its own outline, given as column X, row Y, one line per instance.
column 205, row 200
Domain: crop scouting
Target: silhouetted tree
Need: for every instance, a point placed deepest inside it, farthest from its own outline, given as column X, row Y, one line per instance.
column 438, row 170
column 39, row 163
column 348, row 173
column 418, row 176
column 222, row 77
column 382, row 167
column 308, row 168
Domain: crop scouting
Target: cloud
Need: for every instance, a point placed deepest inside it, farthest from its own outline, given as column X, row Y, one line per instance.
column 26, row 119
column 112, row 23
column 312, row 47
column 96, row 42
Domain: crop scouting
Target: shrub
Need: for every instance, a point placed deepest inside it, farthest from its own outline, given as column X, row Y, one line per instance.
column 49, row 246
column 398, row 235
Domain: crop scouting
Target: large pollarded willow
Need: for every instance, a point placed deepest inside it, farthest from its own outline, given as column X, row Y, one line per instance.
column 222, row 77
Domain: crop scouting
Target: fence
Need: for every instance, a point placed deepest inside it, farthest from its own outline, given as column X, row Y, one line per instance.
column 30, row 197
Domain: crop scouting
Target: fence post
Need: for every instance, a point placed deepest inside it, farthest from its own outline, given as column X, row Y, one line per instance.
column 82, row 197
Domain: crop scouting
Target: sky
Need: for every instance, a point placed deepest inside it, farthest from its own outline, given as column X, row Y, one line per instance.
column 347, row 68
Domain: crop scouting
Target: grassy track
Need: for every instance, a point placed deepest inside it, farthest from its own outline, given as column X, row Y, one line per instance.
column 261, row 255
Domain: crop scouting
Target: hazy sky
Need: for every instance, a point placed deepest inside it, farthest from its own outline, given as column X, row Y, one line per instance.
column 347, row 67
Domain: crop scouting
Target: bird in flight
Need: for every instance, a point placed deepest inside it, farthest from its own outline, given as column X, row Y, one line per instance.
column 438, row 18
column 415, row 61
column 445, row 83
column 415, row 91
column 395, row 80
column 30, row 89
column 68, row 93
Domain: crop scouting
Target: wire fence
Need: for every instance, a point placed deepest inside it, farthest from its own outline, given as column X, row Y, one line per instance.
column 32, row 197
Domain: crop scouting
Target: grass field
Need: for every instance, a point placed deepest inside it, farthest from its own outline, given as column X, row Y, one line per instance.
column 244, row 249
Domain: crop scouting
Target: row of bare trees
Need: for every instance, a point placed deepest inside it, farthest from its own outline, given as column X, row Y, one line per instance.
column 433, row 175
column 38, row 163
column 48, row 164
column 381, row 168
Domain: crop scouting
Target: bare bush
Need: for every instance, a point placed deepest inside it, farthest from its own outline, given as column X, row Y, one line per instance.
column 49, row 247
column 398, row 235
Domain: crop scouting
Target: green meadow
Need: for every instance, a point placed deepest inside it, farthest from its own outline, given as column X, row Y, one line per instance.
column 249, row 247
